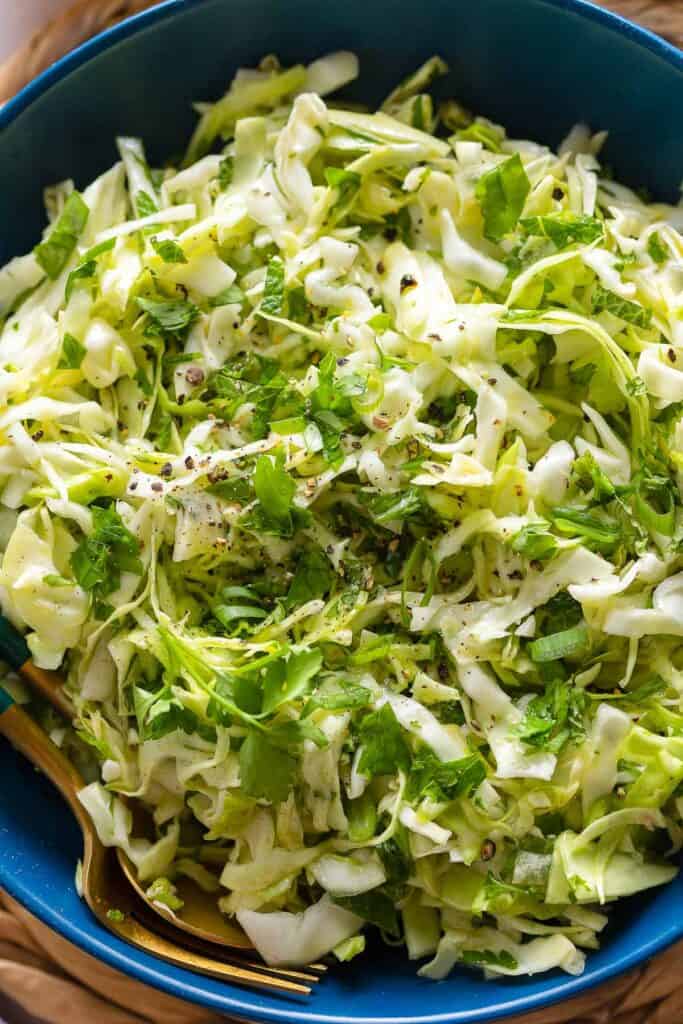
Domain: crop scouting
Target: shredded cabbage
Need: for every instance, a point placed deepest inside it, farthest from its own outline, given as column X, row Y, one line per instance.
column 341, row 475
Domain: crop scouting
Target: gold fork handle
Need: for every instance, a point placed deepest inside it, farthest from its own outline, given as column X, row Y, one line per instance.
column 124, row 918
column 49, row 685
column 29, row 739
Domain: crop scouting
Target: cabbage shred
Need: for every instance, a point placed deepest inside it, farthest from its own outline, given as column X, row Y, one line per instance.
column 341, row 475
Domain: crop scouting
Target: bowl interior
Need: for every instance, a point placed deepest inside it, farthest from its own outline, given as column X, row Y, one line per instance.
column 537, row 66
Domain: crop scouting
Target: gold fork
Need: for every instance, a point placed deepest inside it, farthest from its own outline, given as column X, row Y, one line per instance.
column 107, row 892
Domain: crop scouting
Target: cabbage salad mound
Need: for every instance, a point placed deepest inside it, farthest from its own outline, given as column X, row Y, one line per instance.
column 340, row 476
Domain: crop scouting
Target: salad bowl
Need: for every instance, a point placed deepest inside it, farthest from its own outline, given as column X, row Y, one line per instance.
column 538, row 66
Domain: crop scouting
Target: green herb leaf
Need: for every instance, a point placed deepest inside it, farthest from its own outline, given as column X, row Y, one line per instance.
column 587, row 468
column 233, row 294
column 298, row 307
column 87, row 267
column 333, row 393
column 502, row 193
column 450, row 712
column 284, row 682
column 582, row 375
column 631, row 312
column 145, row 205
column 385, row 749
column 168, row 250
column 442, row 781
column 488, row 958
column 380, row 322
column 564, row 229
column 398, row 864
column 561, row 612
column 656, row 248
column 347, row 184
column 239, row 696
column 238, row 489
column 535, row 542
column 143, row 382
column 100, row 558
column 161, row 713
column 274, row 487
column 291, row 734
column 655, row 496
column 274, row 288
column 314, row 578
column 554, row 717
column 226, row 169
column 53, row 254
column 499, row 897
column 162, row 428
column 72, row 355
column 636, row 387
column 255, row 380
column 275, row 512
column 331, row 406
column 388, row 508
column 374, row 907
column 172, row 316
column 266, row 771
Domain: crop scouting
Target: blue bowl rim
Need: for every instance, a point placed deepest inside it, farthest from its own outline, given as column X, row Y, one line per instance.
column 565, row 988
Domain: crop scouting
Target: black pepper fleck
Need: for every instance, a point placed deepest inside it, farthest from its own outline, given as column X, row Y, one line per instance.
column 488, row 850
column 194, row 375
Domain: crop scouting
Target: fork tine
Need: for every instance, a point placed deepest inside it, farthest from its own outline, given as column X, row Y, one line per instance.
column 285, row 972
column 202, row 935
column 137, row 934
column 138, row 925
column 222, row 954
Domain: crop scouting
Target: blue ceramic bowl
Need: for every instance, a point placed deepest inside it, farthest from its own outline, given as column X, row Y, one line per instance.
column 537, row 66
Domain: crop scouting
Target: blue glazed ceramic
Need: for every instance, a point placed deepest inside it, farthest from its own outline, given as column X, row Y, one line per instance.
column 538, row 66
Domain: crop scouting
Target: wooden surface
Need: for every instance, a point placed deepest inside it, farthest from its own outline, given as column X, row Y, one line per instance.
column 84, row 18
column 44, row 978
